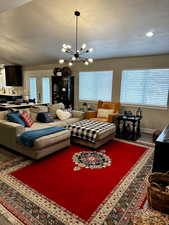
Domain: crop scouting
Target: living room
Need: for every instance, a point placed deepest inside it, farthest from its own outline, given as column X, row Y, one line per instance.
column 123, row 62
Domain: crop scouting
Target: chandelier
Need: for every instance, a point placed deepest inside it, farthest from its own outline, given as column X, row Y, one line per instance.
column 77, row 55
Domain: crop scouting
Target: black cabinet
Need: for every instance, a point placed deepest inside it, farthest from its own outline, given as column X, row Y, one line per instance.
column 161, row 153
column 13, row 75
column 63, row 90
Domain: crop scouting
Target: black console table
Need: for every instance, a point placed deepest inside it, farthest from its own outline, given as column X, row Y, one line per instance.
column 161, row 153
column 128, row 127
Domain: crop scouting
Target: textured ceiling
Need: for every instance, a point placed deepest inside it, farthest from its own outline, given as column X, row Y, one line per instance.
column 10, row 4
column 34, row 32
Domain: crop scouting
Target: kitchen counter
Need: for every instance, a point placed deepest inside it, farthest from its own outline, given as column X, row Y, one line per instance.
column 6, row 106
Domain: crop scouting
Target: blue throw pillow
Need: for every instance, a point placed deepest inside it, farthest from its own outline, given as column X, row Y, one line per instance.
column 15, row 118
column 45, row 117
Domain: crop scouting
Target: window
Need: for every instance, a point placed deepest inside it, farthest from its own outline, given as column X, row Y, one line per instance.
column 94, row 86
column 39, row 88
column 46, row 90
column 33, row 88
column 146, row 87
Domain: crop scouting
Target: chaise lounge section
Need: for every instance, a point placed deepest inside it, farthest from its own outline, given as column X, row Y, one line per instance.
column 42, row 146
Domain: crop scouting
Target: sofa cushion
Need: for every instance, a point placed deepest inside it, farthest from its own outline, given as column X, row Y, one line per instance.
column 51, row 139
column 3, row 115
column 38, row 125
column 45, row 117
column 104, row 113
column 35, row 110
column 53, row 107
column 15, row 118
column 26, row 118
column 63, row 115
column 72, row 120
column 58, row 123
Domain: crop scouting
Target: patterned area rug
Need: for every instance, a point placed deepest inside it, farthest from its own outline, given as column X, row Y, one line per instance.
column 27, row 206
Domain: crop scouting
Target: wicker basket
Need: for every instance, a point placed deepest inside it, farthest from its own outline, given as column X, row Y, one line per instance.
column 158, row 196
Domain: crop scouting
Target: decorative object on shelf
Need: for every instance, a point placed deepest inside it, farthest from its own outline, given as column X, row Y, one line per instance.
column 77, row 54
column 85, row 107
column 139, row 112
column 66, row 71
column 127, row 113
column 57, row 72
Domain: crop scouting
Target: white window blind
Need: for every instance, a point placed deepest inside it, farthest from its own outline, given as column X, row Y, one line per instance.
column 95, row 86
column 145, row 87
column 33, row 88
column 46, row 98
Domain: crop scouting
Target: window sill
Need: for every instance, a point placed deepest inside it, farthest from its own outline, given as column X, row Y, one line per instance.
column 88, row 101
column 145, row 106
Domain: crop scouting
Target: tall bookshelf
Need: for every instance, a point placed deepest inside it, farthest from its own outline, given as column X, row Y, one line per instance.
column 63, row 87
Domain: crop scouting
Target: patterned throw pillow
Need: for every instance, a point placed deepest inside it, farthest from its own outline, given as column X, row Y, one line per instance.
column 26, row 118
column 104, row 113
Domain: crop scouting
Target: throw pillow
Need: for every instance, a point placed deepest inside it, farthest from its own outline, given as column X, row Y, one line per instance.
column 26, row 118
column 45, row 117
column 15, row 118
column 34, row 110
column 53, row 107
column 63, row 115
column 104, row 113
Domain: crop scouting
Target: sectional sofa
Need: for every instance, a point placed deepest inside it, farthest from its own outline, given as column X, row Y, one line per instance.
column 9, row 132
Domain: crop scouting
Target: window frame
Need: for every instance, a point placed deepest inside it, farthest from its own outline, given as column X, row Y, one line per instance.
column 93, row 101
column 146, row 106
column 39, row 77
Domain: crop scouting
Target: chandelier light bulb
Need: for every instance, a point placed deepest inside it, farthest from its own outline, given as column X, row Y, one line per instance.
column 150, row 34
column 90, row 60
column 64, row 46
column 63, row 50
column 61, row 61
column 83, row 46
column 69, row 46
column 77, row 54
column 86, row 63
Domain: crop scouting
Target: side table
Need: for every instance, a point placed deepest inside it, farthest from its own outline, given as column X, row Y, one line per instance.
column 124, row 130
column 90, row 114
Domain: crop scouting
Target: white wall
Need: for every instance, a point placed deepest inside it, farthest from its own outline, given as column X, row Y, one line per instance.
column 153, row 118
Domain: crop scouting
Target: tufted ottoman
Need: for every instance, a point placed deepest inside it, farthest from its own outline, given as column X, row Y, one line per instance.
column 92, row 133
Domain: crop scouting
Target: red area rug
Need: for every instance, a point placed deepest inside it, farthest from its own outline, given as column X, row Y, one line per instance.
column 77, row 185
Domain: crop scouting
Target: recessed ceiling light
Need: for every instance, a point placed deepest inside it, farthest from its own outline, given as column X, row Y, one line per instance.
column 149, row 34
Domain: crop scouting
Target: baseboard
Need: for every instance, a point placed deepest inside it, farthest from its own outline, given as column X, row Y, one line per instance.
column 147, row 130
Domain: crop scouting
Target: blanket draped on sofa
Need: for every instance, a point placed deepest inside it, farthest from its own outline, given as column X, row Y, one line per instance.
column 28, row 137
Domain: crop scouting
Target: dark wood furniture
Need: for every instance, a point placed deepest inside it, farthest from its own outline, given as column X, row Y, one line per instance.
column 63, row 90
column 161, row 153
column 128, row 127
column 13, row 75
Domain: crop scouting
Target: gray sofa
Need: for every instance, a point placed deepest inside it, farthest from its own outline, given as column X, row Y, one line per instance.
column 9, row 132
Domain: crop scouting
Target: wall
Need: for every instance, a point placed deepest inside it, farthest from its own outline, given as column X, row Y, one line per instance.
column 153, row 118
